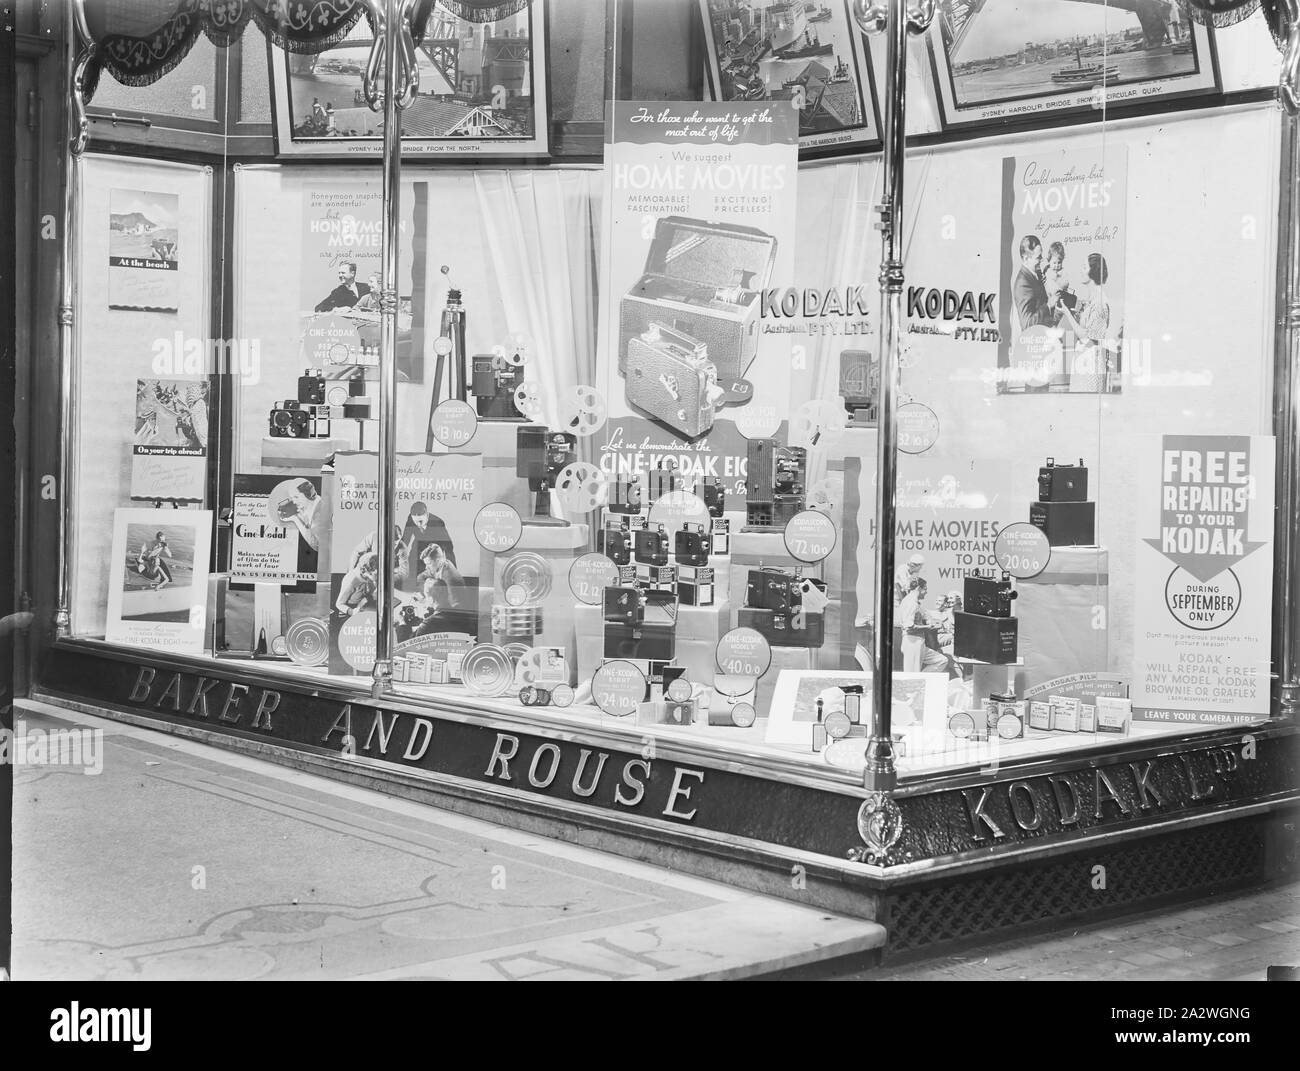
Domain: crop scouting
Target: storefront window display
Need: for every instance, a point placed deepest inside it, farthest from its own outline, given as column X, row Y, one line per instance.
column 636, row 406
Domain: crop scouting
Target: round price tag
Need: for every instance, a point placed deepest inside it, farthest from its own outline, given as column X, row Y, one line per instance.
column 1022, row 550
column 744, row 652
column 810, row 536
column 918, row 428
column 497, row 527
column 589, row 576
column 357, row 640
column 618, row 688
column 755, row 421
column 678, row 690
column 454, row 422
column 677, row 508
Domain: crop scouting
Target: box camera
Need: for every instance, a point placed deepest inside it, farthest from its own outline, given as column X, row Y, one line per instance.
column 670, row 377
column 640, row 624
column 292, row 420
column 988, row 595
column 311, row 387
column 859, row 387
column 713, row 496
column 624, row 496
column 493, row 381
column 541, row 455
column 616, row 544
column 692, row 545
column 704, row 279
column 793, row 629
column 662, row 480
column 782, row 591
column 651, row 546
column 1062, row 483
column 775, row 479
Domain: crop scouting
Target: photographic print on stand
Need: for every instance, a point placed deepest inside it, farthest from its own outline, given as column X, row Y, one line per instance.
column 763, row 51
column 1017, row 61
column 483, row 91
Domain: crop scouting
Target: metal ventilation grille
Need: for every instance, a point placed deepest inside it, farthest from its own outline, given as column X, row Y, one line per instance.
column 984, row 904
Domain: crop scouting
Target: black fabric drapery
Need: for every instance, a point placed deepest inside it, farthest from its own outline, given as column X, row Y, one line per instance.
column 139, row 41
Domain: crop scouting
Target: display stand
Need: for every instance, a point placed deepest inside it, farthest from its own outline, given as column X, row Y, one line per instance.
column 1063, row 614
column 987, row 678
column 300, row 456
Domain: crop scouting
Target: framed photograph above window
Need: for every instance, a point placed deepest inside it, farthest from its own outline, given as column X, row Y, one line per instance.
column 483, row 92
column 1017, row 61
column 810, row 54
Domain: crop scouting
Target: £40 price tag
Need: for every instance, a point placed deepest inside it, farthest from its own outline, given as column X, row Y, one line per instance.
column 744, row 652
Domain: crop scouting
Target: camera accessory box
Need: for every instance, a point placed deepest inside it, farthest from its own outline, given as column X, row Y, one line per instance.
column 1065, row 713
column 1113, row 714
column 1040, row 715
column 704, row 279
column 1066, row 524
column 985, row 639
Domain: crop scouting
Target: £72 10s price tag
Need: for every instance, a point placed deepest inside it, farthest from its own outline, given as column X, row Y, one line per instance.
column 497, row 527
column 744, row 652
column 1022, row 550
column 809, row 536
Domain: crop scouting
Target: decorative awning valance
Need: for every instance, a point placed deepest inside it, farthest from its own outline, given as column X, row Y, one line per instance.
column 139, row 41
column 1218, row 12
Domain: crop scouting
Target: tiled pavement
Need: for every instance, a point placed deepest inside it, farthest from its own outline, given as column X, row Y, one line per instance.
column 1228, row 938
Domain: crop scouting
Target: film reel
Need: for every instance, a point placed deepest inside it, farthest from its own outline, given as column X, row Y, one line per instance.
column 487, row 670
column 529, row 571
column 528, row 399
column 539, row 667
column 515, row 651
column 308, row 642
column 585, row 411
column 581, row 487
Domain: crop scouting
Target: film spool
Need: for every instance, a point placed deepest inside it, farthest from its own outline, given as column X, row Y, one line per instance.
column 529, row 571
column 487, row 670
column 528, row 399
column 515, row 651
column 308, row 642
column 585, row 411
column 582, row 487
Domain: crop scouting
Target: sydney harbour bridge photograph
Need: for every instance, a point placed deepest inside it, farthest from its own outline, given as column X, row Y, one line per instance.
column 1001, row 50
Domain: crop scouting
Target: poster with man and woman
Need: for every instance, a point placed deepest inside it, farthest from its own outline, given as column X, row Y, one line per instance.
column 1062, row 279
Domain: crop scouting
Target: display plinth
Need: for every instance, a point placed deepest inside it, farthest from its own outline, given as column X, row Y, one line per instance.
column 302, row 457
column 989, row 677
column 1063, row 615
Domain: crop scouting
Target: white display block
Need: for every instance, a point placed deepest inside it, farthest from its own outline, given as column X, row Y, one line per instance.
column 300, row 456
column 987, row 678
column 498, row 443
column 1063, row 615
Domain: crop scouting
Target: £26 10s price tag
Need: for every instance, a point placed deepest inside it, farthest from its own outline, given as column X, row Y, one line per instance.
column 809, row 536
column 498, row 527
column 454, row 422
column 744, row 652
column 1022, row 550
column 618, row 688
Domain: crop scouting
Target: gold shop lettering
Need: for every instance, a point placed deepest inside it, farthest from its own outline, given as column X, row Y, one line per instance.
column 544, row 768
column 205, row 698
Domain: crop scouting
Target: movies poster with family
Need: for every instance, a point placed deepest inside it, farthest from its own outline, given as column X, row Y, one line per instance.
column 436, row 556
column 1062, row 283
column 700, row 219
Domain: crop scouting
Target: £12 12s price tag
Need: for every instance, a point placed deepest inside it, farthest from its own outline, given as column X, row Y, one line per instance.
column 454, row 422
column 618, row 688
column 744, row 652
column 1022, row 550
column 589, row 576
column 810, row 536
column 498, row 527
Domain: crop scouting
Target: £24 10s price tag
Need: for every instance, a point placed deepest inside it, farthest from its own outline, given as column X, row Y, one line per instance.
column 589, row 576
column 809, row 536
column 1022, row 550
column 744, row 652
column 454, row 422
column 498, row 527
column 618, row 688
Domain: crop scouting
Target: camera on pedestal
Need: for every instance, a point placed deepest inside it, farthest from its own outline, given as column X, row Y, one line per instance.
column 1062, row 511
column 542, row 455
column 775, row 483
column 639, row 624
column 985, row 630
column 785, row 607
column 493, row 382
column 859, row 387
